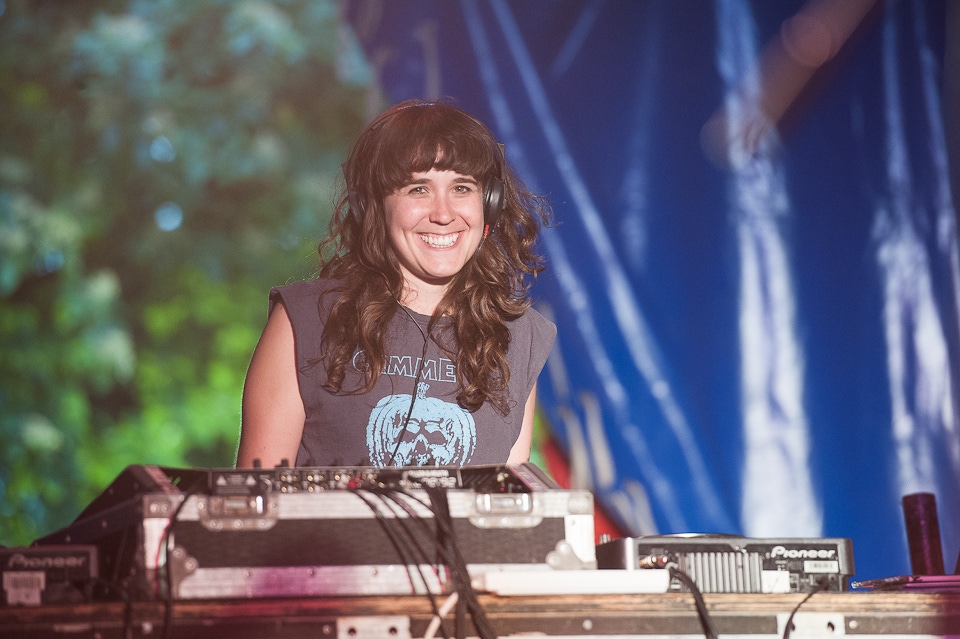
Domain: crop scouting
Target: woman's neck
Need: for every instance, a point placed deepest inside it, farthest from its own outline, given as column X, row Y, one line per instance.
column 423, row 298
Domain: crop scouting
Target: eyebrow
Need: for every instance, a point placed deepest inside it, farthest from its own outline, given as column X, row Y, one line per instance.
column 464, row 179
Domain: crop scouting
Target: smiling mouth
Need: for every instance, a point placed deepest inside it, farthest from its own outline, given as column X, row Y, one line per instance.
column 440, row 241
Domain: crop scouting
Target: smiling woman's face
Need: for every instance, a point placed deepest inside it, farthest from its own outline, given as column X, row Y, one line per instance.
column 435, row 223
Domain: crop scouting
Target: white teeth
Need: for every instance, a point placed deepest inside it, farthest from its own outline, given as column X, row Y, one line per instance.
column 440, row 241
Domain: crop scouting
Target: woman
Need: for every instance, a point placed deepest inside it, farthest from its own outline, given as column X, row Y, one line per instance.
column 416, row 345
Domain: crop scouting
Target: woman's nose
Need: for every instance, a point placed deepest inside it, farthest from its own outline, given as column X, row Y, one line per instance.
column 442, row 212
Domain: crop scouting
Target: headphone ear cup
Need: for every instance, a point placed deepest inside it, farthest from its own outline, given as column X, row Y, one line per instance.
column 493, row 203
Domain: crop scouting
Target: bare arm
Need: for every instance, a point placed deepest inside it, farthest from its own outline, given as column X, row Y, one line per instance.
column 521, row 448
column 273, row 415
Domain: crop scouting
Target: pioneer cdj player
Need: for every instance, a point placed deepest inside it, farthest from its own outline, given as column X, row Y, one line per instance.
column 726, row 563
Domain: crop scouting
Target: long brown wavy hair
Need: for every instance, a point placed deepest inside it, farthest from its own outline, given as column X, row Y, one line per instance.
column 491, row 289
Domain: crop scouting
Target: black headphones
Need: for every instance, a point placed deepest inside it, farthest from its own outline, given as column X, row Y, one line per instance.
column 494, row 195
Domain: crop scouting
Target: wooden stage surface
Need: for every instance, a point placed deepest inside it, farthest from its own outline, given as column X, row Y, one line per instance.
column 827, row 614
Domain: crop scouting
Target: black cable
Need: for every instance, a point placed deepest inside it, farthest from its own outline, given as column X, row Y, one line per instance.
column 458, row 567
column 127, row 617
column 435, row 535
column 461, row 617
column 709, row 629
column 822, row 584
column 405, row 544
column 399, row 544
column 439, row 520
column 449, row 549
column 414, row 518
column 402, row 499
column 448, row 555
column 167, row 593
column 118, row 554
column 416, row 384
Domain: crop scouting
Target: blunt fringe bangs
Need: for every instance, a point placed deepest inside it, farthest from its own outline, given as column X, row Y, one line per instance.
column 417, row 137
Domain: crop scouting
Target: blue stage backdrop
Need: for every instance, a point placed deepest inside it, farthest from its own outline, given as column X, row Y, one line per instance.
column 754, row 268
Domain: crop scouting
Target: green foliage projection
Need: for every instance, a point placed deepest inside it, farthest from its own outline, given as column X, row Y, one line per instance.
column 162, row 164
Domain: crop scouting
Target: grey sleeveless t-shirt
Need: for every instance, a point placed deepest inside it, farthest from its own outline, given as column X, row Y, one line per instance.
column 366, row 429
